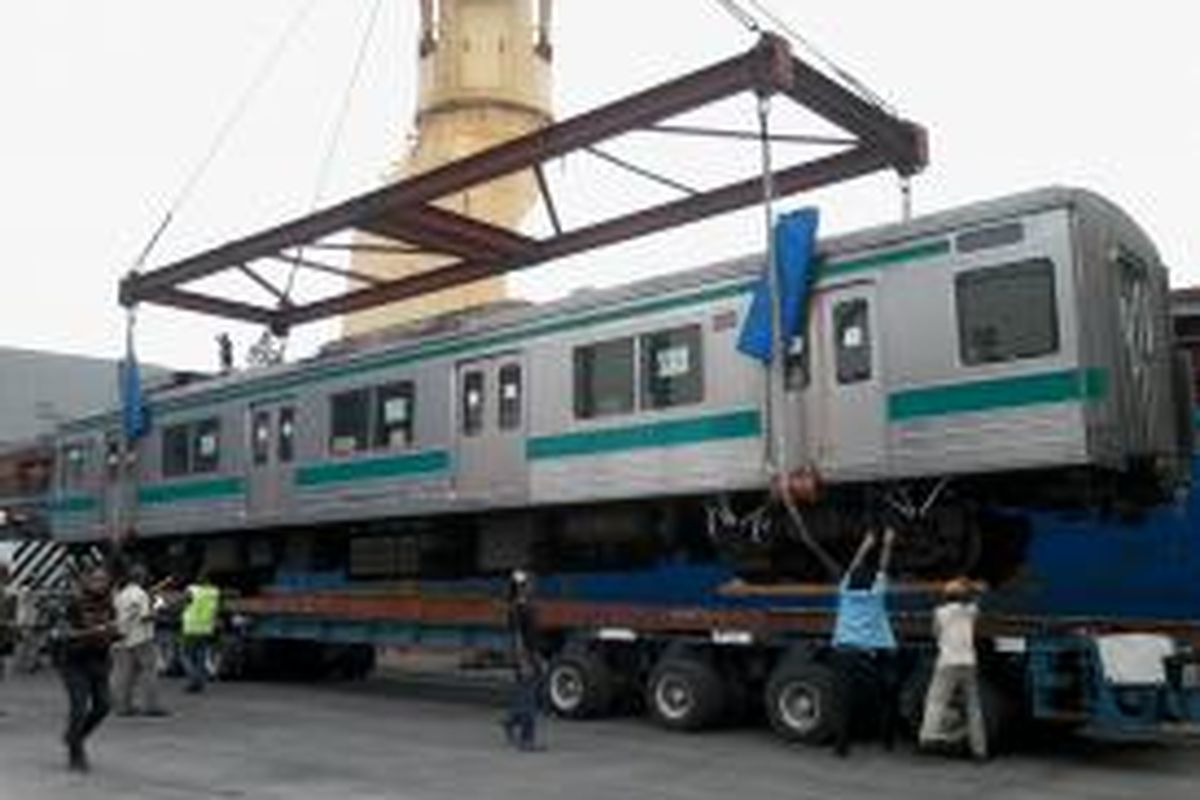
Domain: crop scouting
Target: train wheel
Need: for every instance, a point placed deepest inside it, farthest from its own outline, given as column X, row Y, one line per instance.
column 802, row 701
column 685, row 693
column 947, row 542
column 579, row 684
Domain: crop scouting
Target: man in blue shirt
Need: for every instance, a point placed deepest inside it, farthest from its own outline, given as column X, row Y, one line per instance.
column 864, row 646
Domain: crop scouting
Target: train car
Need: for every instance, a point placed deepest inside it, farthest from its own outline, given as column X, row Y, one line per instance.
column 1015, row 353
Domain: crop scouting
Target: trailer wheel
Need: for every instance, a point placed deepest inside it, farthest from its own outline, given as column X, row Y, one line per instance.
column 685, row 693
column 802, row 701
column 579, row 684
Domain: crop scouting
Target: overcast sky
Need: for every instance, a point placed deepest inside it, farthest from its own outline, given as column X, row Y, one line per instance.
column 109, row 105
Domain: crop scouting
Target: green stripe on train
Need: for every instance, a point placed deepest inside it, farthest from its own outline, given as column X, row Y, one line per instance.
column 402, row 466
column 159, row 494
column 672, row 433
column 72, row 504
column 886, row 258
column 1026, row 390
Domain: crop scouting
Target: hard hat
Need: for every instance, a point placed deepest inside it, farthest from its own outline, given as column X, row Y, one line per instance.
column 520, row 576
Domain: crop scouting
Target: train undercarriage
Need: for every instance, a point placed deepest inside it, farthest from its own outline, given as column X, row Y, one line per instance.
column 973, row 526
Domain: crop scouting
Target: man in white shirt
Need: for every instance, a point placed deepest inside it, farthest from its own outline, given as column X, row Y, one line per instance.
column 134, row 659
column 955, row 671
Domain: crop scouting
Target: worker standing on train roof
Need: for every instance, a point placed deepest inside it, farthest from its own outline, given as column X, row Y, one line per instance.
column 199, row 625
column 955, row 671
column 864, row 646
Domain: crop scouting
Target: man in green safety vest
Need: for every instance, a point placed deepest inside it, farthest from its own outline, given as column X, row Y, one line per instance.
column 199, row 625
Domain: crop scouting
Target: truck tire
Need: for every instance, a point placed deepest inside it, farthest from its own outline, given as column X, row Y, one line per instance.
column 579, row 684
column 802, row 701
column 685, row 693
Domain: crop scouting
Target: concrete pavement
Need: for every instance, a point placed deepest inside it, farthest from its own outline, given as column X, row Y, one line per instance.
column 438, row 739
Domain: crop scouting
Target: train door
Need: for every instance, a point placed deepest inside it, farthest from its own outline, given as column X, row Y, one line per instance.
column 850, row 426
column 272, row 449
column 491, row 427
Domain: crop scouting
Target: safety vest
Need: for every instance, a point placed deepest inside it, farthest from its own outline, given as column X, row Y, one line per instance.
column 200, row 616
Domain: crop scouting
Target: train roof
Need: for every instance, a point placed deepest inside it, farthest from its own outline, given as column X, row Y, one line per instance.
column 496, row 317
column 982, row 213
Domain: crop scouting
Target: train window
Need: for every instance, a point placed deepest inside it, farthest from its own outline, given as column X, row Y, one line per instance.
column 1006, row 312
column 206, row 445
column 176, row 456
column 672, row 367
column 795, row 365
column 472, row 402
column 260, row 436
column 349, row 421
column 286, row 441
column 394, row 414
column 509, row 404
column 852, row 346
column 75, row 463
column 604, row 379
column 986, row 238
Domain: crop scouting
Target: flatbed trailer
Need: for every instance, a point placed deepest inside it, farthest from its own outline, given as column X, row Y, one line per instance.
column 740, row 647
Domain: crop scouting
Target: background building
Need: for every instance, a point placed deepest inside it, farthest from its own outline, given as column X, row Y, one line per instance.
column 38, row 389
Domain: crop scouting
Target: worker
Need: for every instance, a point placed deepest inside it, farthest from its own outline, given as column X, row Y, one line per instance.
column 27, row 656
column 8, row 622
column 199, row 625
column 955, row 672
column 83, row 638
column 864, row 646
column 135, row 660
column 520, row 725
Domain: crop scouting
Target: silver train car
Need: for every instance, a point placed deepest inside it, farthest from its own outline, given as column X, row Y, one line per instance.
column 1009, row 353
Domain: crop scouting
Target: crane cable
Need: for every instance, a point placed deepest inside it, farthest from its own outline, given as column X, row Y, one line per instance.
column 226, row 130
column 335, row 137
column 849, row 79
column 775, row 428
column 740, row 16
column 751, row 23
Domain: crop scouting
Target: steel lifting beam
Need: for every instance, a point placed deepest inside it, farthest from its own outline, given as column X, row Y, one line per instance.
column 670, row 215
column 405, row 211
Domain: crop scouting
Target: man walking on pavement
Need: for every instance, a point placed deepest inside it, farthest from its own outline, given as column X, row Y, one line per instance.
column 955, row 672
column 8, row 623
column 83, row 645
column 520, row 725
column 864, row 646
column 135, row 662
column 199, row 626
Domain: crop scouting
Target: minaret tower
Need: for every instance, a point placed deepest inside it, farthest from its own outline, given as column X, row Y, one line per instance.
column 484, row 78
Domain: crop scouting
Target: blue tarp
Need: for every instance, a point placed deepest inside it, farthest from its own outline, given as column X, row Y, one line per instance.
column 795, row 244
column 134, row 418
